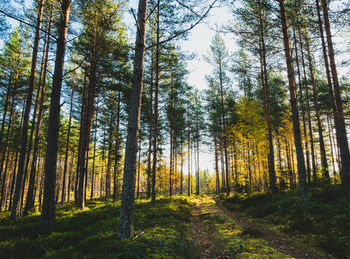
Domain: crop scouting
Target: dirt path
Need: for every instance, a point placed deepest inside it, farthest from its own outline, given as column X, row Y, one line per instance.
column 280, row 242
column 212, row 244
column 208, row 246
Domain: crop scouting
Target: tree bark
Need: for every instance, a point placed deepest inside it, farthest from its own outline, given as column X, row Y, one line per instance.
column 64, row 180
column 31, row 194
column 126, row 226
column 24, row 135
column 155, row 110
column 339, row 113
column 48, row 211
column 294, row 106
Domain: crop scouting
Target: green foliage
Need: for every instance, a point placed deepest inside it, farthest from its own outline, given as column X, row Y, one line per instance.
column 161, row 232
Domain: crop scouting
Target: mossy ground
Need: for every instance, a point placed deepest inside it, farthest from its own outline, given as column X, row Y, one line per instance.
column 234, row 241
column 322, row 224
column 162, row 232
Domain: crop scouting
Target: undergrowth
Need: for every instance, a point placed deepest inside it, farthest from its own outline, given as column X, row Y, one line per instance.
column 324, row 222
column 92, row 233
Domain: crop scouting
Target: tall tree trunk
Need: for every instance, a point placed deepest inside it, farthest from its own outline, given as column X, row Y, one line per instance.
column 188, row 154
column 139, row 166
column 126, row 228
column 64, row 180
column 313, row 155
column 31, row 194
column 181, row 168
column 93, row 159
column 48, row 211
column 155, row 110
column 306, row 144
column 117, row 144
column 83, row 155
column 266, row 89
column 109, row 160
column 224, row 129
column 171, row 161
column 149, row 169
column 324, row 163
column 339, row 113
column 294, row 105
column 216, row 165
column 6, row 104
column 24, row 135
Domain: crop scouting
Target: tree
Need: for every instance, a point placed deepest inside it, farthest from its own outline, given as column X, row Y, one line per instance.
column 48, row 212
column 294, row 104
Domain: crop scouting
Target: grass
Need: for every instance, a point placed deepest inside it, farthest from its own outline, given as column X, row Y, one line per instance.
column 324, row 223
column 92, row 233
column 235, row 241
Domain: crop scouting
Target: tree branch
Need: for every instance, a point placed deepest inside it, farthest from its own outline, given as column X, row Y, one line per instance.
column 186, row 30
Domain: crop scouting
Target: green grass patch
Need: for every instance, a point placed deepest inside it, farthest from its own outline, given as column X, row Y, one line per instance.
column 323, row 223
column 92, row 233
column 235, row 241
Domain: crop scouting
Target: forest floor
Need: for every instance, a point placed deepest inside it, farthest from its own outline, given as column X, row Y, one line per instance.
column 238, row 226
column 222, row 234
column 318, row 229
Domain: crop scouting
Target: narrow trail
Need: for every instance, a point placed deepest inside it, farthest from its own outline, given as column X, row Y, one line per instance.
column 208, row 246
column 211, row 247
column 280, row 242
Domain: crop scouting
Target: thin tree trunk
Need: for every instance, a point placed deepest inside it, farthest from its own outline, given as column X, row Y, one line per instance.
column 306, row 144
column 155, row 110
column 216, row 165
column 117, row 144
column 149, row 169
column 313, row 160
column 139, row 167
column 93, row 160
column 324, row 163
column 24, row 135
column 31, row 194
column 64, row 180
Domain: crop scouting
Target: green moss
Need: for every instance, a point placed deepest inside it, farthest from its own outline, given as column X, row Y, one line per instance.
column 324, row 223
column 92, row 233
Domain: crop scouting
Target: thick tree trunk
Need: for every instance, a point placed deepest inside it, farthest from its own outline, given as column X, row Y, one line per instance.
column 126, row 228
column 294, row 105
column 48, row 211
column 339, row 113
column 24, row 135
